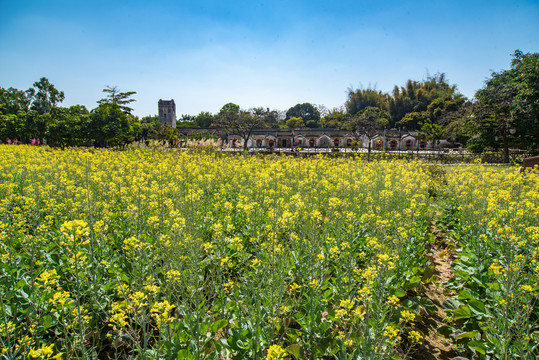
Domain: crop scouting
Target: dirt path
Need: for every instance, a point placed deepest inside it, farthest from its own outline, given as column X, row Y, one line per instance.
column 435, row 347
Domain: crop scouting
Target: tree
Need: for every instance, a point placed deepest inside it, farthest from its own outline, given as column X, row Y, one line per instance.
column 336, row 119
column 432, row 132
column 115, row 97
column 269, row 117
column 306, row 111
column 110, row 125
column 148, row 126
column 204, row 119
column 360, row 99
column 368, row 123
column 46, row 96
column 165, row 132
column 239, row 122
column 10, row 127
column 69, row 127
column 14, row 100
column 295, row 123
column 432, row 99
column 507, row 108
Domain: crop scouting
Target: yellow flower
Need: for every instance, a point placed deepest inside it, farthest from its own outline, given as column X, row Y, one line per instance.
column 392, row 300
column 294, row 287
column 415, row 337
column 276, row 352
column 161, row 312
column 45, row 352
column 392, row 333
column 48, row 279
column 228, row 286
column 407, row 316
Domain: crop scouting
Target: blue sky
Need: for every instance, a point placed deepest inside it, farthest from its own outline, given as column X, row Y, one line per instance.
column 274, row 54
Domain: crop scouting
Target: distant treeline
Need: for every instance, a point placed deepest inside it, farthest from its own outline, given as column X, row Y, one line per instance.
column 503, row 114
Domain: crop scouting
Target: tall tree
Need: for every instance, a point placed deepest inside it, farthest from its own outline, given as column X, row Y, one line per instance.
column 114, row 96
column 46, row 96
column 360, row 99
column 14, row 100
column 269, row 117
column 335, row 119
column 110, row 126
column 431, row 100
column 369, row 122
column 238, row 122
column 507, row 107
column 69, row 127
column 307, row 111
column 204, row 119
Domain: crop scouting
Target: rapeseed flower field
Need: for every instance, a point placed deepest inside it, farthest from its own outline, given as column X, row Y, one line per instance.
column 164, row 255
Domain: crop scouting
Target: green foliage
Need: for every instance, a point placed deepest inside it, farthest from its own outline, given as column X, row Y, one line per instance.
column 295, row 123
column 204, row 119
column 69, row 127
column 335, row 119
column 360, row 99
column 110, row 125
column 507, row 108
column 115, row 97
column 203, row 136
column 238, row 122
column 432, row 132
column 165, row 132
column 369, row 121
column 46, row 96
column 433, row 98
column 14, row 100
column 306, row 111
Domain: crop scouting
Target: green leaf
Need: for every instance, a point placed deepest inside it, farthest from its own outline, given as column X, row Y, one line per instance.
column 218, row 325
column 462, row 274
column 477, row 307
column 445, row 331
column 20, row 284
column 428, row 305
column 48, row 321
column 469, row 335
column 462, row 312
column 415, row 279
column 413, row 304
column 451, row 304
column 293, row 335
column 110, row 285
column 495, row 286
column 465, row 295
column 185, row 354
column 477, row 346
column 294, row 350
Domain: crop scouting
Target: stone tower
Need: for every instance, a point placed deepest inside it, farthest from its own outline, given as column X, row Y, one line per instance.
column 167, row 112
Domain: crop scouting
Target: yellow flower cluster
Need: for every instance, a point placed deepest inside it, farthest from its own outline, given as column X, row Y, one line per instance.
column 44, row 352
column 276, row 352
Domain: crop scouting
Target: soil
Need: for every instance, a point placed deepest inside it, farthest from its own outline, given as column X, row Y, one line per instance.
column 434, row 346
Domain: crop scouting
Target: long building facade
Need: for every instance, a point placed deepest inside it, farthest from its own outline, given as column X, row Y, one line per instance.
column 391, row 140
